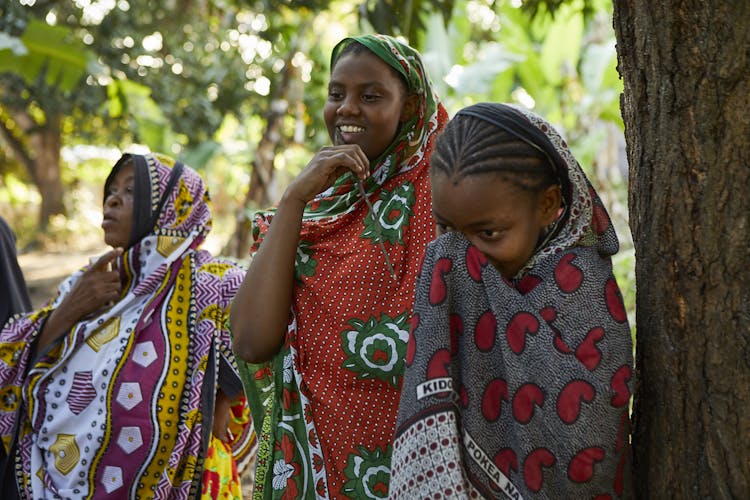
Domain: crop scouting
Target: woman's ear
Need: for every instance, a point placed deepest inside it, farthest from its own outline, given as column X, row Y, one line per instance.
column 550, row 202
column 409, row 111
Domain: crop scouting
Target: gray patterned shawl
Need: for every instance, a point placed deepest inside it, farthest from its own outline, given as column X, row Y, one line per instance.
column 519, row 389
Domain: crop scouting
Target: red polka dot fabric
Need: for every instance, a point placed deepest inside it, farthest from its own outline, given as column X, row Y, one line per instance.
column 329, row 400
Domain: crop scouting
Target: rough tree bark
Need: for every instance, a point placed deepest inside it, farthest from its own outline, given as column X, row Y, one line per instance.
column 686, row 71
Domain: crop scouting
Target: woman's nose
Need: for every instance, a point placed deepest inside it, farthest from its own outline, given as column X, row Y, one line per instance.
column 348, row 106
column 111, row 200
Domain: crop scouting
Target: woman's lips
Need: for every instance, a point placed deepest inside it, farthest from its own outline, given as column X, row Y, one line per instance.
column 349, row 133
column 108, row 222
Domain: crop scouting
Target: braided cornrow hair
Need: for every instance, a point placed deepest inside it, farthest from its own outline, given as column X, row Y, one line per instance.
column 470, row 145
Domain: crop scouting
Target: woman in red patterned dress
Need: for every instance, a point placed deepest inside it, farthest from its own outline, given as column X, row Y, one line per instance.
column 325, row 304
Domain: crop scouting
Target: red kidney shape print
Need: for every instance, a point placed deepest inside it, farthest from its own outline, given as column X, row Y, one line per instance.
column 411, row 344
column 475, row 261
column 567, row 275
column 438, row 365
column 484, row 333
column 494, row 394
column 614, row 301
column 532, row 468
column 570, row 398
column 464, row 395
column 581, row 467
column 549, row 315
column 438, row 289
column 456, row 325
column 528, row 283
column 527, row 396
column 506, row 460
column 438, row 368
column 559, row 343
column 521, row 324
column 587, row 352
column 619, row 384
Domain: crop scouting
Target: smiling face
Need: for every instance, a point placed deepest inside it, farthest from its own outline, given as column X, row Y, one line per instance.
column 118, row 207
column 502, row 220
column 366, row 103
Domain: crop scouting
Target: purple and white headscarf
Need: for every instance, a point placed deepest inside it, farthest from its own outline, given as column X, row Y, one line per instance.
column 121, row 405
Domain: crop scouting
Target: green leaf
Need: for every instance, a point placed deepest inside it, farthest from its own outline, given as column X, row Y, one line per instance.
column 152, row 127
column 479, row 77
column 562, row 45
column 198, row 156
column 49, row 49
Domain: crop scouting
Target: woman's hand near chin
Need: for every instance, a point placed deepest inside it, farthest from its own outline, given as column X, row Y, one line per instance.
column 98, row 287
column 328, row 164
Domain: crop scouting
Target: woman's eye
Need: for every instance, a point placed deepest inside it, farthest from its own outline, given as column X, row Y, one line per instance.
column 370, row 97
column 489, row 234
column 334, row 95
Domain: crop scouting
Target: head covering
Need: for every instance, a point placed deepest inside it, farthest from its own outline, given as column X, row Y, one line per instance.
column 583, row 220
column 519, row 388
column 150, row 196
column 328, row 400
column 143, row 373
column 408, row 150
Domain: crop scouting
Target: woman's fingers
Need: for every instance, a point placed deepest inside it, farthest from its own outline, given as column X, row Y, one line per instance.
column 351, row 157
column 107, row 261
column 325, row 167
column 98, row 287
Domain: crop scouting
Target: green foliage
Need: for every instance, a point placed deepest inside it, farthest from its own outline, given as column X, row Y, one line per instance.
column 404, row 18
column 133, row 100
column 48, row 50
column 551, row 7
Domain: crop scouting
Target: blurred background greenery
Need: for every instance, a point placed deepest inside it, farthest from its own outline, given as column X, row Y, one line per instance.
column 236, row 88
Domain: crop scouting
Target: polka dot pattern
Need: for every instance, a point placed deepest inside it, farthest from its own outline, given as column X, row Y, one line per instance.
column 336, row 380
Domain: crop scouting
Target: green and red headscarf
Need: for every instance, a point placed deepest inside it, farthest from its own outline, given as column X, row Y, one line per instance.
column 327, row 402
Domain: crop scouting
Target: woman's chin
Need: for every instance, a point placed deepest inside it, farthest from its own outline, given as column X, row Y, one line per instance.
column 114, row 241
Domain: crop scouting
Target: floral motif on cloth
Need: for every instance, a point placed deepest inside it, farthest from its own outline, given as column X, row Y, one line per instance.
column 325, row 407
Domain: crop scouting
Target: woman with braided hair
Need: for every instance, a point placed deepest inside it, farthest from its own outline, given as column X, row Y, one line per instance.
column 519, row 360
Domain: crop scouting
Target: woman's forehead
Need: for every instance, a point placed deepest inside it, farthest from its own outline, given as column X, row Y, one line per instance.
column 362, row 68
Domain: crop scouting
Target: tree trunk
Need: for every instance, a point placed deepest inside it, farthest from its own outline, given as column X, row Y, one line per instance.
column 686, row 71
column 41, row 158
column 45, row 143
